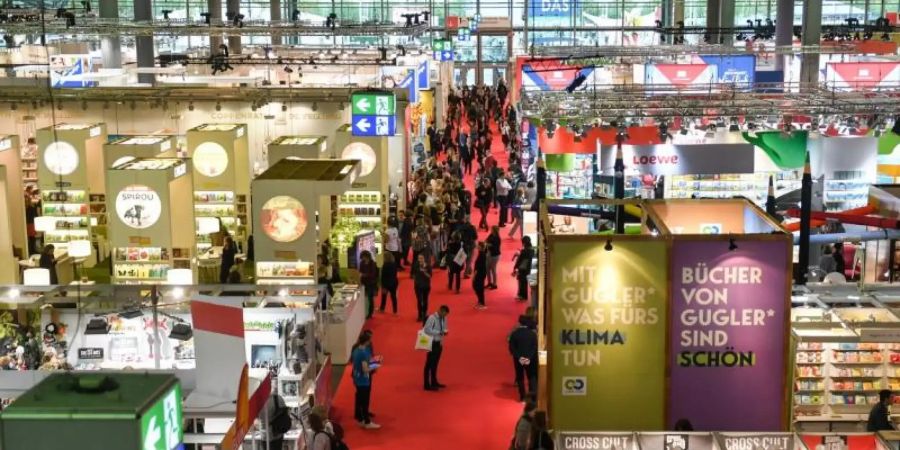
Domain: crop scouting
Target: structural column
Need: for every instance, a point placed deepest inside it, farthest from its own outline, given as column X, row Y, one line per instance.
column 234, row 41
column 275, row 11
column 712, row 20
column 784, row 30
column 110, row 46
column 812, row 35
column 215, row 17
column 726, row 20
column 143, row 12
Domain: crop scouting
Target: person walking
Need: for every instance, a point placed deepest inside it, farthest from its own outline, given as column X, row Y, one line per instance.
column 406, row 228
column 454, row 269
column 469, row 236
column 389, row 281
column 524, row 427
column 229, row 252
column 522, row 268
column 502, row 187
column 481, row 263
column 519, row 204
column 392, row 241
column 362, row 371
column 483, row 199
column 540, row 435
column 436, row 327
column 493, row 244
column 368, row 278
column 321, row 439
column 48, row 261
column 523, row 347
column 421, row 272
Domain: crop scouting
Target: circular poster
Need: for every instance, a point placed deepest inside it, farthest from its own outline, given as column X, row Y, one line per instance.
column 61, row 158
column 210, row 159
column 283, row 218
column 363, row 153
column 138, row 206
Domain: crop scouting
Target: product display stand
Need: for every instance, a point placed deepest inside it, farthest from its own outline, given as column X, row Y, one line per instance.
column 150, row 207
column 131, row 147
column 308, row 147
column 369, row 199
column 71, row 172
column 285, row 235
column 15, row 210
column 219, row 154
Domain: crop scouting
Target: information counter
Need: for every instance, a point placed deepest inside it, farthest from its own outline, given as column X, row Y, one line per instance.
column 345, row 319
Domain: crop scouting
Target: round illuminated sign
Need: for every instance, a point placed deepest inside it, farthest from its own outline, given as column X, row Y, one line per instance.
column 210, row 159
column 138, row 206
column 61, row 158
column 283, row 218
column 363, row 153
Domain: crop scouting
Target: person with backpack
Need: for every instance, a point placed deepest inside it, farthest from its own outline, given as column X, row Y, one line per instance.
column 524, row 428
column 321, row 440
column 279, row 421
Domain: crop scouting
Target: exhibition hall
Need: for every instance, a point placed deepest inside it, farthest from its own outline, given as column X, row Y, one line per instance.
column 456, row 224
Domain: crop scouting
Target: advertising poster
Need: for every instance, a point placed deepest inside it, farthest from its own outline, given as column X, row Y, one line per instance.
column 608, row 325
column 138, row 206
column 680, row 76
column 66, row 71
column 283, row 218
column 728, row 334
column 554, row 8
column 556, row 74
column 681, row 159
column 840, row 442
column 862, row 76
column 732, row 69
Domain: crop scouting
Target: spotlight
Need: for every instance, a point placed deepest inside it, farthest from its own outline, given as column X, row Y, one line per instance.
column 608, row 247
column 206, row 17
column 284, row 107
column 383, row 52
column 34, row 104
column 402, row 50
column 60, row 13
column 315, row 106
column 97, row 325
column 70, row 19
column 181, row 332
column 409, row 19
column 133, row 105
column 13, row 106
column 9, row 40
column 84, row 105
column 732, row 246
column 218, row 106
column 86, row 4
column 131, row 313
column 191, row 106
column 341, row 106
column 59, row 106
column 166, row 13
column 426, row 15
column 295, row 15
column 287, row 69
column 253, row 106
column 331, row 21
column 238, row 20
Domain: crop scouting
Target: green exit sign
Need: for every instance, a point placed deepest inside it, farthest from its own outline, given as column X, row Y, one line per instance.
column 373, row 104
column 440, row 45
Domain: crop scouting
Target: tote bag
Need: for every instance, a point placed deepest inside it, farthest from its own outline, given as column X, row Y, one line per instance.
column 460, row 258
column 423, row 341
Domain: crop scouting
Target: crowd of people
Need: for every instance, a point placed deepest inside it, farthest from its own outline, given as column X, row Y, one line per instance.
column 436, row 240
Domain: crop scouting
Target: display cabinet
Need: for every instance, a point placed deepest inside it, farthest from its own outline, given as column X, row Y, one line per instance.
column 286, row 234
column 221, row 174
column 150, row 208
column 70, row 169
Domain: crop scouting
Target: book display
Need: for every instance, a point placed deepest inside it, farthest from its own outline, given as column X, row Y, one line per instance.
column 149, row 211
column 70, row 170
column 219, row 154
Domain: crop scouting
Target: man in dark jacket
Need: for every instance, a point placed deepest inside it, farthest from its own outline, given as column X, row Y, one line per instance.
column 879, row 417
column 406, row 228
column 469, row 237
column 523, row 347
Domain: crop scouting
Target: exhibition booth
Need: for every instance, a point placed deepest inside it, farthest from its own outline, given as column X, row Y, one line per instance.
column 152, row 201
column 623, row 330
column 126, row 148
column 308, row 147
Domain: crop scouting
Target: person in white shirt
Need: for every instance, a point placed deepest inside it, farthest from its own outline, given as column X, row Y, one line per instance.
column 391, row 240
column 436, row 327
column 502, row 188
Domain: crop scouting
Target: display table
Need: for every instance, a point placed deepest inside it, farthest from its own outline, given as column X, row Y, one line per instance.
column 343, row 328
column 65, row 267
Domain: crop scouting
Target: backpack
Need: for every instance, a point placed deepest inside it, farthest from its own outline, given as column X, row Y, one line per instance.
column 334, row 443
column 281, row 421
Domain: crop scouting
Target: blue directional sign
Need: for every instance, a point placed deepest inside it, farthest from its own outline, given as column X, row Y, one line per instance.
column 422, row 81
column 410, row 84
column 374, row 125
column 374, row 113
column 442, row 49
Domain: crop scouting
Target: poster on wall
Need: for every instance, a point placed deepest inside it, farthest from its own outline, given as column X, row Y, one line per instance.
column 729, row 334
column 680, row 76
column 738, row 70
column 283, row 218
column 138, row 206
column 862, row 76
column 608, row 327
column 66, row 71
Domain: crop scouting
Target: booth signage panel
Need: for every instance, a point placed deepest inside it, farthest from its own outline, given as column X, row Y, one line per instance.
column 733, row 69
column 554, row 8
column 669, row 159
column 595, row 441
column 752, row 441
column 608, row 335
column 680, row 76
column 161, row 424
column 729, row 333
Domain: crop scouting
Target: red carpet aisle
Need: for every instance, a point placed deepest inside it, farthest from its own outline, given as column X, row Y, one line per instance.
column 479, row 407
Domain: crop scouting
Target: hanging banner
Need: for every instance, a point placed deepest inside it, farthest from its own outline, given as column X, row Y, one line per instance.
column 680, row 159
column 738, row 70
column 564, row 141
column 862, row 76
column 680, row 76
column 554, row 8
column 66, row 71
column 729, row 333
column 554, row 74
column 607, row 356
